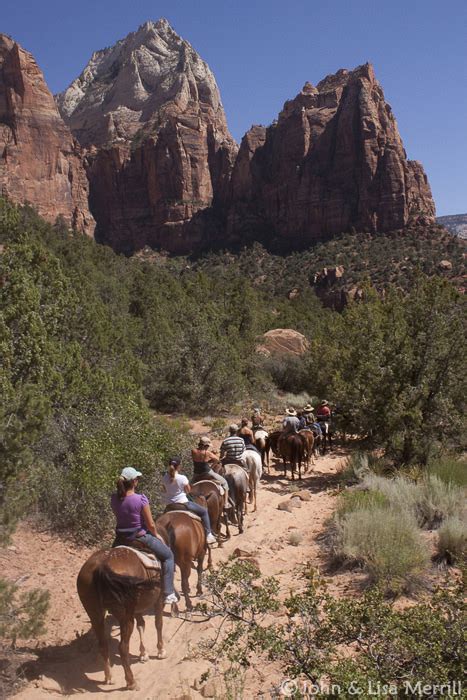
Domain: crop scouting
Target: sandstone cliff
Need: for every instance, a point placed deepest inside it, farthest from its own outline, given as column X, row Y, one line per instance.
column 160, row 153
column 40, row 162
column 333, row 160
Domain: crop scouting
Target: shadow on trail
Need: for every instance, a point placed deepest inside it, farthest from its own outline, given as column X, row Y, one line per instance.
column 313, row 480
column 68, row 665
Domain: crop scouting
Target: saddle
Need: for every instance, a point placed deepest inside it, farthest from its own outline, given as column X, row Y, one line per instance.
column 218, row 486
column 177, row 509
column 147, row 558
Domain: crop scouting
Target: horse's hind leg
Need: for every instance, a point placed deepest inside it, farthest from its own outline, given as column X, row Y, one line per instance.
column 126, row 629
column 98, row 625
column 199, row 570
column 158, row 609
column 140, row 625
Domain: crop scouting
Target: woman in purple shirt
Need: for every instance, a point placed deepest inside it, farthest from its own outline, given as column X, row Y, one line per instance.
column 135, row 521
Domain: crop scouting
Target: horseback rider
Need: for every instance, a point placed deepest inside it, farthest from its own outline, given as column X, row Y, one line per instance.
column 290, row 423
column 175, row 488
column 233, row 447
column 257, row 419
column 308, row 415
column 135, row 522
column 246, row 433
column 202, row 459
column 324, row 412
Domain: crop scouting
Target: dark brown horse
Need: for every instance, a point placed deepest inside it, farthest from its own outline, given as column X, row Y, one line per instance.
column 207, row 488
column 187, row 540
column 272, row 444
column 117, row 581
column 292, row 448
column 238, row 488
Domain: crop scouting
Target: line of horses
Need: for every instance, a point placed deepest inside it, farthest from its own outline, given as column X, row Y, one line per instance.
column 116, row 580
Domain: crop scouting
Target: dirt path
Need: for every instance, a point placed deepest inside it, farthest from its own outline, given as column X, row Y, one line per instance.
column 69, row 662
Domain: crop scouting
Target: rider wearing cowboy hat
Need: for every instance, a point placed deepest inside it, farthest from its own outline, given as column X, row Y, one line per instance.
column 291, row 423
column 324, row 412
column 308, row 414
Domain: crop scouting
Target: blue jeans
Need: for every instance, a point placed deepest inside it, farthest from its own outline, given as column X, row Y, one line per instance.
column 165, row 556
column 202, row 512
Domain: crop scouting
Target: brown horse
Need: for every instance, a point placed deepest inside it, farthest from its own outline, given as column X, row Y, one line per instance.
column 117, row 581
column 187, row 540
column 292, row 448
column 238, row 487
column 207, row 488
column 309, row 438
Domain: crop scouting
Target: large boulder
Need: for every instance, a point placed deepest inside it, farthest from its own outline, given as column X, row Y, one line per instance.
column 282, row 341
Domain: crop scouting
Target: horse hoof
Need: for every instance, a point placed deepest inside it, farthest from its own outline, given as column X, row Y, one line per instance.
column 162, row 654
column 174, row 611
column 108, row 681
column 132, row 686
column 143, row 658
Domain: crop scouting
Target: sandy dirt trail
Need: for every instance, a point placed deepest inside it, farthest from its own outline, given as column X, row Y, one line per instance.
column 69, row 662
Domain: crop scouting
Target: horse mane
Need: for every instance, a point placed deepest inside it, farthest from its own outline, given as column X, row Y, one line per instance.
column 119, row 588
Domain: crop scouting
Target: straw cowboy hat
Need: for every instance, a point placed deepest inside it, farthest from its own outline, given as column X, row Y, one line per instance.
column 233, row 428
column 291, row 412
column 205, row 441
column 324, row 402
column 308, row 408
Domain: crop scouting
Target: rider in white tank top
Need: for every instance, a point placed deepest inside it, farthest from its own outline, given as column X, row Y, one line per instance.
column 174, row 490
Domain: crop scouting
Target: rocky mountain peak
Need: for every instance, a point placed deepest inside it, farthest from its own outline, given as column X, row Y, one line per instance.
column 124, row 86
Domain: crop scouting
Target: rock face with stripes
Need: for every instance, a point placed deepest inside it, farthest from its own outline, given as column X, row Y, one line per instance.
column 40, row 161
column 159, row 151
column 333, row 160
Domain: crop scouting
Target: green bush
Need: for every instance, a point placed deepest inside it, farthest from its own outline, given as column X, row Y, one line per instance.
column 449, row 470
column 452, row 540
column 353, row 500
column 386, row 542
column 22, row 614
column 402, row 649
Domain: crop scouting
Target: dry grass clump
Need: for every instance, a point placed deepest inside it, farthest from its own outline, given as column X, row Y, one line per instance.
column 438, row 501
column 452, row 540
column 386, row 542
column 294, row 538
column 450, row 470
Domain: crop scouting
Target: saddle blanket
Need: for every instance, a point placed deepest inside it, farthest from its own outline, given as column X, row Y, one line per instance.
column 209, row 481
column 185, row 512
column 149, row 561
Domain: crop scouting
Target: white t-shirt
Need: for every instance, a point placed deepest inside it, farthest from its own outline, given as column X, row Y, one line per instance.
column 174, row 490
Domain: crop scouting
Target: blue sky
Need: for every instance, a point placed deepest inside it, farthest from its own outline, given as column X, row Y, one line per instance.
column 263, row 51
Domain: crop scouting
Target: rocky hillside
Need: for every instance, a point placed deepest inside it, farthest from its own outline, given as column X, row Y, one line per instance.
column 40, row 162
column 161, row 154
column 164, row 171
column 456, row 224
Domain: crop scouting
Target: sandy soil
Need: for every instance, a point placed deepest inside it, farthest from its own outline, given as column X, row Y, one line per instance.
column 68, row 660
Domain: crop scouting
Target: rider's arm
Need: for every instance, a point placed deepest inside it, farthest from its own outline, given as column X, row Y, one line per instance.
column 187, row 488
column 148, row 519
column 211, row 457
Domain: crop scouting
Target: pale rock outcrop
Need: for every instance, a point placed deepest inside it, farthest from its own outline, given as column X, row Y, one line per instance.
column 160, row 153
column 40, row 162
column 282, row 341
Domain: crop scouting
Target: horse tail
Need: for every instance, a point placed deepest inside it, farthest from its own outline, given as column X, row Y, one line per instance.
column 119, row 589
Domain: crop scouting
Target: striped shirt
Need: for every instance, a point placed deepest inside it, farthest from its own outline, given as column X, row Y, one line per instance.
column 233, row 447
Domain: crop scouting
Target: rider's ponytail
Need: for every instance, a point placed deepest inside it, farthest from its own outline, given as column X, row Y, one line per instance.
column 173, row 468
column 123, row 486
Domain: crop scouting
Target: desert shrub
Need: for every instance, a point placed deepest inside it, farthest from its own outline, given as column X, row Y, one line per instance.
column 386, row 542
column 294, row 538
column 452, row 540
column 403, row 649
column 438, row 500
column 449, row 470
column 22, row 614
column 352, row 500
column 401, row 493
column 355, row 467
